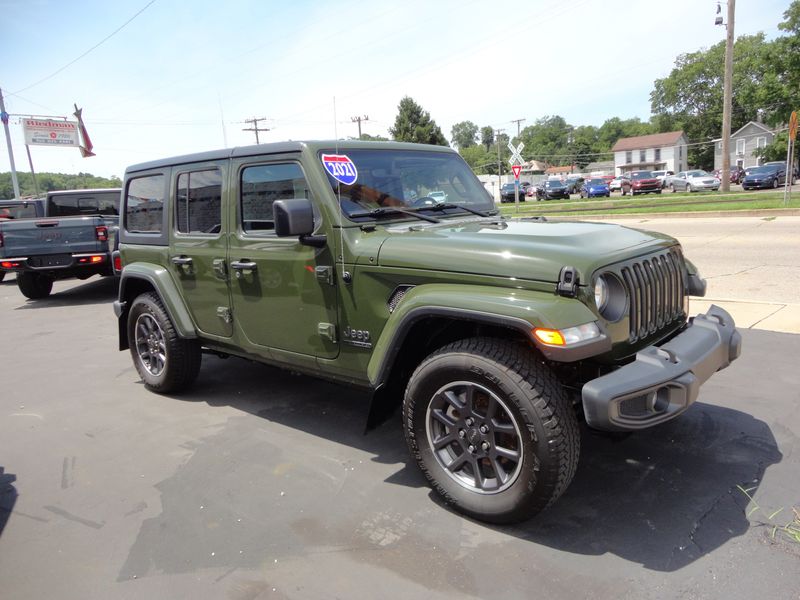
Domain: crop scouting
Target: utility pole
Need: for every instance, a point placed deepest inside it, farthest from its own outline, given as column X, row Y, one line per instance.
column 255, row 127
column 499, row 163
column 517, row 121
column 358, row 120
column 4, row 116
column 727, row 98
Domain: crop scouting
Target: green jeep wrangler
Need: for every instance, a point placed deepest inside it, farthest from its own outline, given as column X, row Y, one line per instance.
column 333, row 259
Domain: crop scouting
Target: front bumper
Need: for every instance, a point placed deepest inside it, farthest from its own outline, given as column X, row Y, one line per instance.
column 663, row 381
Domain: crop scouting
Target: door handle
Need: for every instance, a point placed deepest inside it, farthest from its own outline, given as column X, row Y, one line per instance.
column 243, row 265
column 181, row 261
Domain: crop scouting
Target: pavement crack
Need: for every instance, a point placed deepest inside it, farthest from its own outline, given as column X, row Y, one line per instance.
column 736, row 273
column 776, row 311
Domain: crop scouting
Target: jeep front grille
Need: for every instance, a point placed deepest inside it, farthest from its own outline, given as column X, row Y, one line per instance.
column 656, row 287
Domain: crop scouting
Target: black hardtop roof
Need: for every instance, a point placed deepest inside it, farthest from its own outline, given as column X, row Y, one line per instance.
column 279, row 148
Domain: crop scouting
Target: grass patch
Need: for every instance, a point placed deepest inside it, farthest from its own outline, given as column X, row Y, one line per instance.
column 789, row 530
column 652, row 203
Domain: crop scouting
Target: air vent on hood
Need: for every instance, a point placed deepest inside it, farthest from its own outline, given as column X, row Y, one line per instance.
column 397, row 295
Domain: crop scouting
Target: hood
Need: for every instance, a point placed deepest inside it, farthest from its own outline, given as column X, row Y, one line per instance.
column 522, row 249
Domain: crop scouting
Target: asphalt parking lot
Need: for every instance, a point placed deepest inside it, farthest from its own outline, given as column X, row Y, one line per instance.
column 262, row 484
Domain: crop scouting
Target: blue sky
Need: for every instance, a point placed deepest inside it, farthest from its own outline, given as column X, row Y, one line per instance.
column 183, row 76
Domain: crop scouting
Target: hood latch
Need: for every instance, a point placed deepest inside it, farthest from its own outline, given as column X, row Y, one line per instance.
column 568, row 282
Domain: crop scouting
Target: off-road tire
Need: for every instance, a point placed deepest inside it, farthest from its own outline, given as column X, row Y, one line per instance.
column 34, row 285
column 181, row 357
column 530, row 398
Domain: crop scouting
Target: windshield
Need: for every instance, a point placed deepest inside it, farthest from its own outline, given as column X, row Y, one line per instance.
column 405, row 179
column 696, row 173
column 553, row 184
column 507, row 187
column 597, row 182
column 759, row 170
column 642, row 175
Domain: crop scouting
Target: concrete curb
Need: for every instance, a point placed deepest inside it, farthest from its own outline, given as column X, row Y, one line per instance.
column 766, row 212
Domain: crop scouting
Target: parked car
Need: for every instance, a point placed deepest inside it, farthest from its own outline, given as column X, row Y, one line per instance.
column 643, row 182
column 74, row 238
column 438, row 196
column 508, row 193
column 782, row 165
column 663, row 176
column 737, row 174
column 552, row 189
column 595, row 187
column 693, row 181
column 492, row 360
column 765, row 176
column 574, row 184
column 620, row 184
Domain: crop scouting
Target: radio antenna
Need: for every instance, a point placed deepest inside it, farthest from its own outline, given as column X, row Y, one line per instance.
column 339, row 196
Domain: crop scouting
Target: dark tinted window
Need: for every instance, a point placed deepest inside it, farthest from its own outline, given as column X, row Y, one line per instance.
column 84, row 203
column 198, row 204
column 263, row 184
column 642, row 175
column 144, row 204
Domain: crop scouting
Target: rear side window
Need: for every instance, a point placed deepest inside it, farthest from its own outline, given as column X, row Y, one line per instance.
column 198, row 204
column 261, row 185
column 22, row 210
column 144, row 204
column 68, row 205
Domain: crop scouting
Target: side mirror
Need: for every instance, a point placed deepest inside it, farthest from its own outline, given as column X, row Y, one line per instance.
column 295, row 217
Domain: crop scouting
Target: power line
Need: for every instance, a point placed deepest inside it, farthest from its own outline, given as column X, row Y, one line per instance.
column 105, row 39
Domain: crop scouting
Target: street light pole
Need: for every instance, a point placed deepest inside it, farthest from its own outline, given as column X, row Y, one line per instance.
column 727, row 100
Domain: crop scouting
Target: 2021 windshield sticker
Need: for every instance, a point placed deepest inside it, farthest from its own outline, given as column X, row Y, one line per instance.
column 340, row 167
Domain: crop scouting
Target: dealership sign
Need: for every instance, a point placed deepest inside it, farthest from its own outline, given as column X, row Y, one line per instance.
column 47, row 132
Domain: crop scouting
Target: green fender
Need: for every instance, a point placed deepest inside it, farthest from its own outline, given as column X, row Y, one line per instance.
column 158, row 277
column 514, row 308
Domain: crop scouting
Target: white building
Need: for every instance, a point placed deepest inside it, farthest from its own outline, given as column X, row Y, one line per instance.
column 656, row 152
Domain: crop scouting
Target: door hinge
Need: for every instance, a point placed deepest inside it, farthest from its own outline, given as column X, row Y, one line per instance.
column 324, row 274
column 224, row 313
column 327, row 330
column 220, row 268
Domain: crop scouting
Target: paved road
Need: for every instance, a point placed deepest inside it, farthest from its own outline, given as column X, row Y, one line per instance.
column 751, row 264
column 261, row 484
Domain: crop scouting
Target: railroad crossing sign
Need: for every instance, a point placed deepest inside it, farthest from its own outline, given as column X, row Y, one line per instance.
column 516, row 169
column 516, row 156
column 793, row 126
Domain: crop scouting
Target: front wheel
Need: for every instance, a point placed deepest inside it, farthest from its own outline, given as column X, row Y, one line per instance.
column 775, row 184
column 34, row 285
column 491, row 429
column 689, row 188
column 165, row 361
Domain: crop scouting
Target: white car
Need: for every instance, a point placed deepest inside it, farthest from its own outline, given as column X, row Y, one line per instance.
column 440, row 197
column 663, row 177
column 693, row 181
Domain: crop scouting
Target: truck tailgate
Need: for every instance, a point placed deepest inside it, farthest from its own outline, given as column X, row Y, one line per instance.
column 50, row 236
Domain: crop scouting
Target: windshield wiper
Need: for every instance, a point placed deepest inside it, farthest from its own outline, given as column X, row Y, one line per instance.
column 390, row 210
column 446, row 205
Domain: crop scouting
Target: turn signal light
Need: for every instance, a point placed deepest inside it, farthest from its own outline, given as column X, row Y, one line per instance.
column 549, row 336
column 90, row 259
column 102, row 233
column 118, row 263
column 7, row 264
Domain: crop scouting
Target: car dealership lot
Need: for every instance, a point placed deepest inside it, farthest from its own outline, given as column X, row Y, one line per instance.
column 261, row 484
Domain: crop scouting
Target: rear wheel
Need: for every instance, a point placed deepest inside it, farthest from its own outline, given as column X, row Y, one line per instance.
column 689, row 188
column 165, row 361
column 491, row 429
column 34, row 285
column 775, row 184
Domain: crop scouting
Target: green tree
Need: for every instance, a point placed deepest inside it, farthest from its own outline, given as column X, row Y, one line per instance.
column 48, row 182
column 487, row 137
column 779, row 93
column 548, row 139
column 690, row 97
column 413, row 124
column 480, row 160
column 365, row 137
column 464, row 134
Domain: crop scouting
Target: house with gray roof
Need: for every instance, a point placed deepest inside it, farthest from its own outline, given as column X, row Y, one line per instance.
column 743, row 142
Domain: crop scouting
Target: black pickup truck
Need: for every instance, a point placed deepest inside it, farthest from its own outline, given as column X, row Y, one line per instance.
column 73, row 238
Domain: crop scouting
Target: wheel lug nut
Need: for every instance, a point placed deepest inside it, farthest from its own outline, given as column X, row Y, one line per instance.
column 485, row 446
column 484, row 429
column 462, row 434
column 469, row 421
column 471, row 448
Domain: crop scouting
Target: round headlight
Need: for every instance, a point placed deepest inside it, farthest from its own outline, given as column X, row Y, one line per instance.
column 600, row 293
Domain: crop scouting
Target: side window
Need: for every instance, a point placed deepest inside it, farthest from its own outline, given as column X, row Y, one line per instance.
column 629, row 157
column 642, row 155
column 198, row 202
column 261, row 185
column 740, row 146
column 658, row 154
column 144, row 204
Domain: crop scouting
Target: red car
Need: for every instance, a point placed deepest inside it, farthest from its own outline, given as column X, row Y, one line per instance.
column 644, row 182
column 737, row 174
